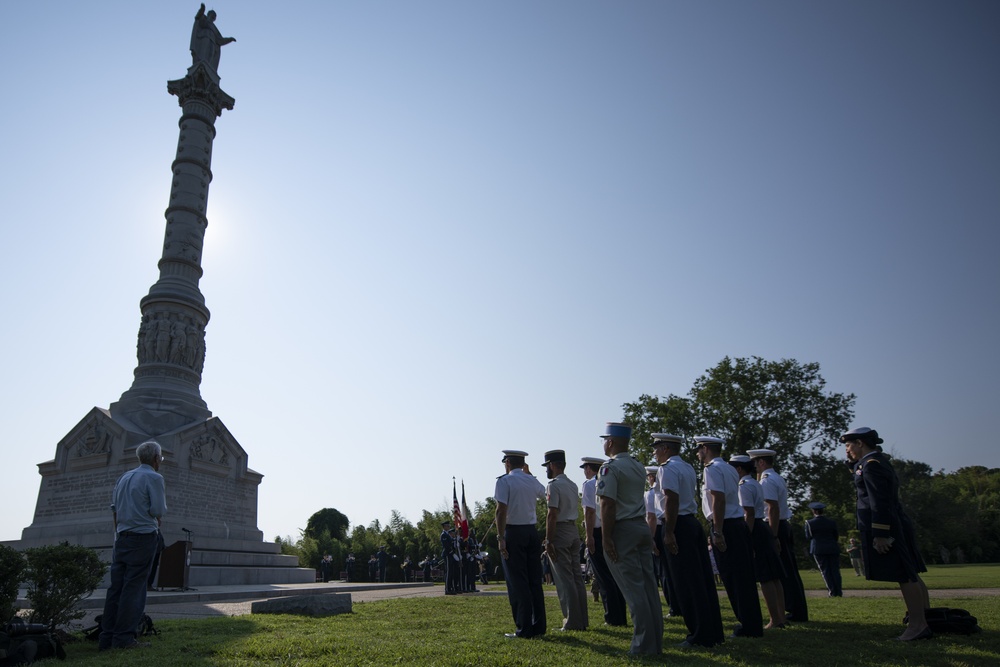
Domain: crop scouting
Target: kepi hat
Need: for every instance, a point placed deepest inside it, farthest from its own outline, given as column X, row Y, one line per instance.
column 617, row 430
column 554, row 456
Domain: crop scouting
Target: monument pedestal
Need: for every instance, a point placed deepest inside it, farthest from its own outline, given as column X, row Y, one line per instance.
column 210, row 492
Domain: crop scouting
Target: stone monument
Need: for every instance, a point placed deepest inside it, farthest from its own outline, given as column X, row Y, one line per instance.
column 211, row 493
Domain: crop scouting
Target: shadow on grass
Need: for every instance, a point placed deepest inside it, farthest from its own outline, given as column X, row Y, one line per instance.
column 173, row 645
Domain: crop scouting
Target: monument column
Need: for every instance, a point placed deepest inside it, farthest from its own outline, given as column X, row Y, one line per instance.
column 211, row 490
column 170, row 350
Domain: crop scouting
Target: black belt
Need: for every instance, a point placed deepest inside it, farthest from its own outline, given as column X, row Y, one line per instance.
column 132, row 533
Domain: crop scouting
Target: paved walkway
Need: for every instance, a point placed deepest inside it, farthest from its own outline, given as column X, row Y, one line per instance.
column 210, row 601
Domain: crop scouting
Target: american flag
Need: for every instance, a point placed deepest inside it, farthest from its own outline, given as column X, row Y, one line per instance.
column 456, row 510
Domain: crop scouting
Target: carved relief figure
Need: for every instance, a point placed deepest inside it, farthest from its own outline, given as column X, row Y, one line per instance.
column 206, row 40
column 95, row 441
column 178, row 339
column 193, row 343
column 199, row 358
column 140, row 346
column 162, row 339
column 149, row 343
column 207, row 448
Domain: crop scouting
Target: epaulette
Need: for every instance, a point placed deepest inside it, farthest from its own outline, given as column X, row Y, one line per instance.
column 741, row 482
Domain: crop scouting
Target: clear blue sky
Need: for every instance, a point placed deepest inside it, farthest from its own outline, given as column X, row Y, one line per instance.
column 442, row 229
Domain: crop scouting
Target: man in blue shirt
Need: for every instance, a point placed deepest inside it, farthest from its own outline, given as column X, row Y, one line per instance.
column 138, row 504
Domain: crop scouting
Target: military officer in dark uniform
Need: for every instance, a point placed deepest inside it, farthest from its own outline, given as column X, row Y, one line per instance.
column 449, row 564
column 888, row 545
column 824, row 546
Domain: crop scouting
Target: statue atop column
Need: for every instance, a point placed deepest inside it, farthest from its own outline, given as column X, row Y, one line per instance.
column 206, row 40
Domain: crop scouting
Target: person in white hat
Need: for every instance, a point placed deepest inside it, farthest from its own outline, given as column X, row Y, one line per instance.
column 766, row 561
column 562, row 541
column 888, row 546
column 654, row 519
column 517, row 493
column 627, row 543
column 615, row 611
column 730, row 537
column 778, row 516
column 684, row 544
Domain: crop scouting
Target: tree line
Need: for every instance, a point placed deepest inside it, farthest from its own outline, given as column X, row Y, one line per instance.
column 751, row 403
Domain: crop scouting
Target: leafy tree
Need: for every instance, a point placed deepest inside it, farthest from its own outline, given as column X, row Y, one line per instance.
column 980, row 487
column 651, row 414
column 754, row 403
column 330, row 520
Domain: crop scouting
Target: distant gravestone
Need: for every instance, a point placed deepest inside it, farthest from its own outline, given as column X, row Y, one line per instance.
column 329, row 604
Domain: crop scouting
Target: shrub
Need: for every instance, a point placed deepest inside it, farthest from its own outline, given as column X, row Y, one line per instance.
column 12, row 568
column 58, row 577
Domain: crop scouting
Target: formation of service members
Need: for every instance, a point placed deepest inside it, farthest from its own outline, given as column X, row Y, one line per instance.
column 631, row 534
column 460, row 559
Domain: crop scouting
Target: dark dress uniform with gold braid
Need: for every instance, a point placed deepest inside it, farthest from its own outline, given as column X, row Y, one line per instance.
column 881, row 515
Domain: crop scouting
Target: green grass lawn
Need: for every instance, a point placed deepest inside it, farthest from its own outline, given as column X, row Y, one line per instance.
column 937, row 576
column 468, row 630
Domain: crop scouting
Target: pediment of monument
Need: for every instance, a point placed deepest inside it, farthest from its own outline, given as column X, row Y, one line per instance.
column 209, row 447
column 91, row 443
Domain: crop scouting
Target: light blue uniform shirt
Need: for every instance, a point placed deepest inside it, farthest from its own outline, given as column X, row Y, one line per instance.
column 139, row 499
